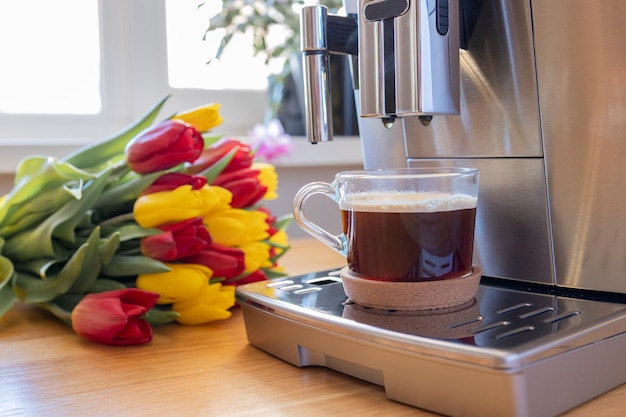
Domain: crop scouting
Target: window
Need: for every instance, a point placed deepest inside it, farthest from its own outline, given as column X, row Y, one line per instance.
column 42, row 74
column 190, row 56
column 83, row 69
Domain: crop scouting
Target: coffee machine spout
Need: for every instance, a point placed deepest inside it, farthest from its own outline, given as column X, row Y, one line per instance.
column 408, row 60
column 322, row 34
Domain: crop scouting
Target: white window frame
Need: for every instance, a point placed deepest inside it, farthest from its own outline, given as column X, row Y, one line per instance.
column 134, row 77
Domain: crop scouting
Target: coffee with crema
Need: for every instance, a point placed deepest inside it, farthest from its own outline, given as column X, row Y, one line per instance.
column 409, row 237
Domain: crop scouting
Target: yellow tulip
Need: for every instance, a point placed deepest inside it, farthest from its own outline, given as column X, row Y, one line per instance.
column 182, row 282
column 236, row 227
column 257, row 256
column 267, row 177
column 164, row 207
column 211, row 303
column 279, row 238
column 203, row 118
column 215, row 200
column 181, row 203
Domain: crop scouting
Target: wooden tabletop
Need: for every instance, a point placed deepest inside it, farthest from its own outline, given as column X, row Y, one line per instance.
column 207, row 370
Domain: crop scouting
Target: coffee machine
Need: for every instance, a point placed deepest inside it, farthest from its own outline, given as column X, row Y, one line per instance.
column 533, row 94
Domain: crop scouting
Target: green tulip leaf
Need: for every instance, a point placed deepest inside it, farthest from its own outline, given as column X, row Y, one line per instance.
column 124, row 266
column 132, row 231
column 103, row 284
column 124, row 193
column 42, row 185
column 214, row 170
column 99, row 154
column 272, row 273
column 157, row 316
column 65, row 220
column 7, row 296
column 86, row 221
column 282, row 222
column 210, row 139
column 62, row 306
column 38, row 242
column 91, row 264
column 42, row 266
column 32, row 289
column 108, row 247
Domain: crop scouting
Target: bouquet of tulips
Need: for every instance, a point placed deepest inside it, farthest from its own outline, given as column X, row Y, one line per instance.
column 154, row 225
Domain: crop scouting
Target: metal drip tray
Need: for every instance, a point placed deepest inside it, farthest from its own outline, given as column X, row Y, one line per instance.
column 506, row 353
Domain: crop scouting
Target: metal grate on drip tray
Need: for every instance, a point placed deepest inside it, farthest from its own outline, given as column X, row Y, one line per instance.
column 500, row 328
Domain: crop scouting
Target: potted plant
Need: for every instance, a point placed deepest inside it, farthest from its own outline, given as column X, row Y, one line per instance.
column 280, row 18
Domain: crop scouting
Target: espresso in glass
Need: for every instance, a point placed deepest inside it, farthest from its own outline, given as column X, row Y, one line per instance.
column 408, row 236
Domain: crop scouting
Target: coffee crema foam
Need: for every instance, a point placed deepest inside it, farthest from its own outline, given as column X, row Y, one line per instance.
column 394, row 202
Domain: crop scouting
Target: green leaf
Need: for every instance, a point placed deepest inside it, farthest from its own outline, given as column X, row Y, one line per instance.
column 214, row 170
column 62, row 306
column 7, row 296
column 42, row 185
column 103, row 284
column 130, row 231
column 42, row 266
column 91, row 265
column 157, row 316
column 108, row 247
column 37, row 242
column 123, row 193
column 124, row 266
column 134, row 231
column 272, row 273
column 70, row 215
column 95, row 155
column 210, row 139
column 32, row 289
column 283, row 221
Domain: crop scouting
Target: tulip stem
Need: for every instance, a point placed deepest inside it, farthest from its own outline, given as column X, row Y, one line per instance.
column 117, row 219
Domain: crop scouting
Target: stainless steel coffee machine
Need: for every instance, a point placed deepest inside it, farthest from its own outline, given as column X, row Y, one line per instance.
column 533, row 94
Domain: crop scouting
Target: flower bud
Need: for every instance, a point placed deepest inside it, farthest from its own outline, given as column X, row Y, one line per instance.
column 244, row 185
column 242, row 158
column 173, row 180
column 211, row 303
column 114, row 317
column 183, row 281
column 178, row 240
column 164, row 146
column 255, row 276
column 225, row 261
column 203, row 118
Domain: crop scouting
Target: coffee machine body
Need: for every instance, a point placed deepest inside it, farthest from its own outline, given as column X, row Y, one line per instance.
column 536, row 100
column 542, row 116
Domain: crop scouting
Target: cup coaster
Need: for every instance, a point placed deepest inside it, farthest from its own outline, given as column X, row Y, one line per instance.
column 415, row 295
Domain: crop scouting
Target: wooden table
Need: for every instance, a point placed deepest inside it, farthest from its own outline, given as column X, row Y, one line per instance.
column 208, row 370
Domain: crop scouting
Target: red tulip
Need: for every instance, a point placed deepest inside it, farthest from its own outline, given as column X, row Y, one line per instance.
column 178, row 240
column 173, row 180
column 242, row 158
column 271, row 219
column 224, row 261
column 164, row 146
column 244, row 185
column 114, row 317
column 255, row 276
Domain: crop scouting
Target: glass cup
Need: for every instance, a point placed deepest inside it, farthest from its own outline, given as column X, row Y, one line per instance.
column 400, row 225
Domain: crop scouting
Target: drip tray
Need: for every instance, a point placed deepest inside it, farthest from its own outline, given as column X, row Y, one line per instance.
column 505, row 353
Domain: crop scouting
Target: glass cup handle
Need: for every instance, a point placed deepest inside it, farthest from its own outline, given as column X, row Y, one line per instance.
column 337, row 242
